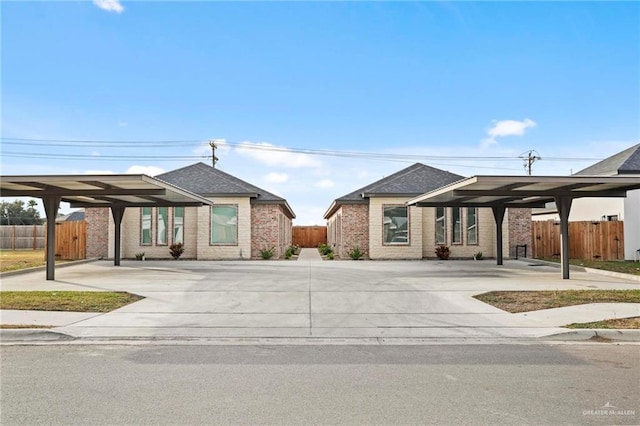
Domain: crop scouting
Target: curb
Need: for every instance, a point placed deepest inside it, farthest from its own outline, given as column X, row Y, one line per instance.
column 33, row 335
column 44, row 268
column 596, row 333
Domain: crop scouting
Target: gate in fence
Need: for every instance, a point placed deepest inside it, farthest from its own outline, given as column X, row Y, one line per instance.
column 599, row 240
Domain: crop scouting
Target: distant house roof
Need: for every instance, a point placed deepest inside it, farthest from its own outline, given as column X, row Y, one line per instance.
column 76, row 216
column 409, row 182
column 207, row 181
column 622, row 163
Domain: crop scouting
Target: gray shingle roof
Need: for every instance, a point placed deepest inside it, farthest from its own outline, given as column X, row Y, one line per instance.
column 413, row 181
column 207, row 181
column 409, row 182
column 625, row 162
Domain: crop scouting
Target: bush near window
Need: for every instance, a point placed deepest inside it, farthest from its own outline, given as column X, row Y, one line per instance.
column 176, row 250
column 442, row 252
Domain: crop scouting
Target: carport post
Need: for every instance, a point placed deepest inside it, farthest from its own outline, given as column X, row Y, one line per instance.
column 498, row 215
column 117, row 212
column 51, row 205
column 564, row 207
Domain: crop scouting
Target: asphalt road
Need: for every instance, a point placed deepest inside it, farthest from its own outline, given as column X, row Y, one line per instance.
column 429, row 384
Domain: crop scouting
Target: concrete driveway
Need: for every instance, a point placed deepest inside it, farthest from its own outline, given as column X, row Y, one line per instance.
column 314, row 299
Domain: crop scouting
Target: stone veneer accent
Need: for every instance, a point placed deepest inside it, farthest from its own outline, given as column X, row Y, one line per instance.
column 519, row 222
column 270, row 227
column 97, row 231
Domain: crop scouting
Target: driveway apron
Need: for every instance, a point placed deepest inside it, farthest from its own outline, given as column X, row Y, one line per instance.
column 311, row 298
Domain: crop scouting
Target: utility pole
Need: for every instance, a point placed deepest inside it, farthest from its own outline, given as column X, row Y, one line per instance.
column 214, row 159
column 530, row 158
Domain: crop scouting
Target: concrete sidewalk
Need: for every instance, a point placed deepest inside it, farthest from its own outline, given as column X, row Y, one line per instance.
column 310, row 299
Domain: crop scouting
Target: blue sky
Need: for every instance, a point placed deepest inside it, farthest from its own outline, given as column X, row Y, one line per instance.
column 453, row 84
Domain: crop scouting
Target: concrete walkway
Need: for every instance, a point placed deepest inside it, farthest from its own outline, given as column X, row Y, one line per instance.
column 309, row 255
column 310, row 299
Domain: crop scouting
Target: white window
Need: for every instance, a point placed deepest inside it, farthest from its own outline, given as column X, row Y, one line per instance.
column 395, row 225
column 178, row 225
column 472, row 226
column 441, row 220
column 162, row 226
column 456, row 220
column 145, row 226
column 224, row 225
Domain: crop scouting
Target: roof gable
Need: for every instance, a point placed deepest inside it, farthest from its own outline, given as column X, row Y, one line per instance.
column 205, row 180
column 624, row 162
column 409, row 182
column 414, row 180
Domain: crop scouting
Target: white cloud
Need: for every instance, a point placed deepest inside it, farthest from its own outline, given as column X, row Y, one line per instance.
column 145, row 170
column 109, row 5
column 324, row 183
column 276, row 156
column 122, row 123
column 274, row 177
column 507, row 128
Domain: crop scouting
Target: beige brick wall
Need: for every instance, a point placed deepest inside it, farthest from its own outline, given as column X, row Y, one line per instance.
column 486, row 234
column 379, row 250
column 197, row 233
column 242, row 250
column 131, row 238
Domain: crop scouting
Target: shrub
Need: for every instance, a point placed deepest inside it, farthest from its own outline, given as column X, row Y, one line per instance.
column 442, row 252
column 355, row 253
column 478, row 256
column 325, row 249
column 267, row 253
column 176, row 250
column 330, row 255
column 140, row 256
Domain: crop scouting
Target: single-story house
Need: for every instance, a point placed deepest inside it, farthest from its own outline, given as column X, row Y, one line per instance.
column 624, row 163
column 376, row 219
column 243, row 220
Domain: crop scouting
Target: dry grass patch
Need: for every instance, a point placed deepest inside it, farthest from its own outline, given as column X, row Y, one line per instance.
column 526, row 301
column 13, row 260
column 71, row 301
column 617, row 323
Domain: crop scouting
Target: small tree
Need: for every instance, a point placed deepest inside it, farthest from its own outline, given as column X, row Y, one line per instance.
column 176, row 250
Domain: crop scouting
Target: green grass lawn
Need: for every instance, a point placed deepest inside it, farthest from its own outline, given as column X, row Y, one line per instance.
column 13, row 260
column 622, row 266
column 71, row 301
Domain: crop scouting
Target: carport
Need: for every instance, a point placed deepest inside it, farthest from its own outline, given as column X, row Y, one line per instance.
column 116, row 192
column 502, row 192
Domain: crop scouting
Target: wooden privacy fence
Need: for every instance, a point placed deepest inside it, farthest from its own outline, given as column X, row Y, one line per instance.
column 309, row 236
column 71, row 240
column 22, row 237
column 587, row 240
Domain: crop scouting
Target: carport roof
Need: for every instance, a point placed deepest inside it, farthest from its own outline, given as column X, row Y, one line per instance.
column 524, row 191
column 101, row 190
